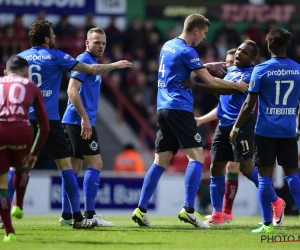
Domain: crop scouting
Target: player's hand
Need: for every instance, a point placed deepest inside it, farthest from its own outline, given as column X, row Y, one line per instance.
column 242, row 86
column 31, row 160
column 86, row 129
column 188, row 84
column 123, row 64
column 232, row 137
column 215, row 65
column 198, row 121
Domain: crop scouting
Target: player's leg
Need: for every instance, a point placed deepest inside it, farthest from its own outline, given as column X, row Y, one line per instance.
column 231, row 188
column 165, row 144
column 5, row 204
column 264, row 163
column 221, row 153
column 183, row 125
column 288, row 158
column 58, row 148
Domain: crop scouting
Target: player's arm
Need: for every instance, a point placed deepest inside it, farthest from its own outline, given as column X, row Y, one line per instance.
column 211, row 116
column 43, row 127
column 101, row 68
column 191, row 84
column 245, row 111
column 215, row 82
column 74, row 96
column 298, row 124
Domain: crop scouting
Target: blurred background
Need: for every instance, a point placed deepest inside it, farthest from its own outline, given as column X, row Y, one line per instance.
column 136, row 31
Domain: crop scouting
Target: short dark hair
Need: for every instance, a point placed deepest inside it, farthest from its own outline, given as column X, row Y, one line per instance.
column 278, row 39
column 16, row 63
column 231, row 51
column 254, row 46
column 195, row 20
column 38, row 30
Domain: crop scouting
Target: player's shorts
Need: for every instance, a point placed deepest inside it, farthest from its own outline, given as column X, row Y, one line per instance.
column 222, row 150
column 15, row 144
column 80, row 146
column 267, row 149
column 176, row 128
column 56, row 145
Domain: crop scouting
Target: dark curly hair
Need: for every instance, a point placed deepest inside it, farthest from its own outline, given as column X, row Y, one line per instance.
column 278, row 39
column 38, row 30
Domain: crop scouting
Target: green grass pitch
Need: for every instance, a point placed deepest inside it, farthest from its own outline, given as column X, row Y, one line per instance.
column 43, row 232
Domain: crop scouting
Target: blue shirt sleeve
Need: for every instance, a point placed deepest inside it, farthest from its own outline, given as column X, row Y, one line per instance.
column 255, row 81
column 191, row 59
column 65, row 61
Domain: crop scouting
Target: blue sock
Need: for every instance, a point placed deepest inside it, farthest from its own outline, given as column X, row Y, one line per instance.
column 217, row 191
column 11, row 187
column 66, row 206
column 70, row 184
column 192, row 182
column 90, row 188
column 150, row 182
column 254, row 177
column 265, row 191
column 293, row 181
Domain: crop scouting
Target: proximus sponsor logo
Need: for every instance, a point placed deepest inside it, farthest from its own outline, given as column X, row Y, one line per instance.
column 283, row 72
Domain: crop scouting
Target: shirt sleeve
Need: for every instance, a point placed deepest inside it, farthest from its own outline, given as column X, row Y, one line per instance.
column 42, row 120
column 255, row 81
column 65, row 61
column 191, row 59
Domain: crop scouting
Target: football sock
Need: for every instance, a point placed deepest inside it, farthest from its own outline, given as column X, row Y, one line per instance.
column 217, row 190
column 91, row 183
column 5, row 207
column 294, row 183
column 254, row 177
column 265, row 192
column 11, row 187
column 65, row 202
column 231, row 187
column 20, row 182
column 192, row 182
column 71, row 188
column 150, row 182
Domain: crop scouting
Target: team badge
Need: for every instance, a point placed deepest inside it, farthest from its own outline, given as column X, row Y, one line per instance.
column 93, row 145
column 197, row 137
column 251, row 84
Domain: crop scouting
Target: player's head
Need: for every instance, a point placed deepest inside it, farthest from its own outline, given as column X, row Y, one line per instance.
column 41, row 34
column 96, row 42
column 278, row 41
column 230, row 57
column 196, row 26
column 245, row 54
column 16, row 66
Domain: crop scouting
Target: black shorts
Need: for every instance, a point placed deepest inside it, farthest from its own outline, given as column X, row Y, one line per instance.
column 79, row 146
column 176, row 128
column 222, row 150
column 56, row 145
column 267, row 149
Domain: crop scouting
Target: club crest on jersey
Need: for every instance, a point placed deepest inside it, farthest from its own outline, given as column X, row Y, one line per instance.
column 251, row 83
column 75, row 73
column 197, row 137
column 93, row 145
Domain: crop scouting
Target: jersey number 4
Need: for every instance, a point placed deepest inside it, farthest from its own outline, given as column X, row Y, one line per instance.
column 286, row 95
column 162, row 66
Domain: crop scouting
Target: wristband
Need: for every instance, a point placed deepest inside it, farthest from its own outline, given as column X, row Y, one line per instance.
column 298, row 131
column 235, row 129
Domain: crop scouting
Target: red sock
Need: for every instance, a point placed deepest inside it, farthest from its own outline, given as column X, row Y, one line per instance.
column 231, row 188
column 20, row 183
column 5, row 214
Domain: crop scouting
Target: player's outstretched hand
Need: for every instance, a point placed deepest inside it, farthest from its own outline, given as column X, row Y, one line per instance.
column 123, row 64
column 232, row 137
column 215, row 65
column 188, row 84
column 198, row 121
column 242, row 87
